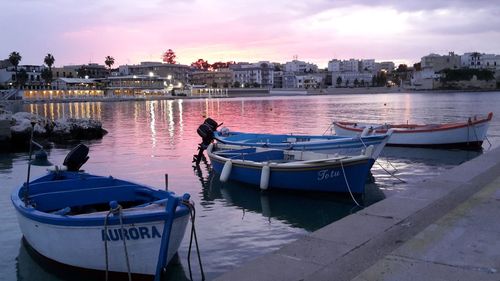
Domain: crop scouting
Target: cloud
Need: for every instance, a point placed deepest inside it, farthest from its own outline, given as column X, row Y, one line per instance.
column 316, row 30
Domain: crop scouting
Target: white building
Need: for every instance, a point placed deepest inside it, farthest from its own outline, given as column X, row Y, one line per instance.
column 387, row 66
column 260, row 73
column 310, row 81
column 300, row 67
column 334, row 65
column 480, row 61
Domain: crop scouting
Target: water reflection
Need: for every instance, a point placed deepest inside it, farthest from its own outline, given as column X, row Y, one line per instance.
column 305, row 210
column 55, row 111
column 430, row 156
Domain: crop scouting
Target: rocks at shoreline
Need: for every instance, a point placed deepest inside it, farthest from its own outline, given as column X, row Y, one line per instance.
column 15, row 130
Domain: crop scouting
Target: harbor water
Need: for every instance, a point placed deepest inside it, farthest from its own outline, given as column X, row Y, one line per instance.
column 236, row 223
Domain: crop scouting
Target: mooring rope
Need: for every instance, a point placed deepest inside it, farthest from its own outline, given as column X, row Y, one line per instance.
column 348, row 187
column 329, row 128
column 378, row 162
column 115, row 210
column 192, row 212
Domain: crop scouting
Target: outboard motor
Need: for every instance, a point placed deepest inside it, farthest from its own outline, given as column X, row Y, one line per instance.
column 206, row 132
column 76, row 158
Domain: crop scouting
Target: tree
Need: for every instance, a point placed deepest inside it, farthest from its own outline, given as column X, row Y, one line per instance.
column 347, row 82
column 356, row 82
column 14, row 59
column 109, row 61
column 236, row 84
column 22, row 77
column 201, row 64
column 255, row 85
column 49, row 61
column 47, row 75
column 402, row 68
column 169, row 57
column 214, row 84
column 339, row 81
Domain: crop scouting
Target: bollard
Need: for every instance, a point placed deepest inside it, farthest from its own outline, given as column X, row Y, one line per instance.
column 166, row 182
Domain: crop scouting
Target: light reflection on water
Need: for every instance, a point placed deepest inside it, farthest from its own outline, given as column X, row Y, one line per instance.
column 236, row 223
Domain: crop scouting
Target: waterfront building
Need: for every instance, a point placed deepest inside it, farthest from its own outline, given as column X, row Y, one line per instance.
column 139, row 85
column 348, row 78
column 387, row 66
column 66, row 88
column 310, row 80
column 33, row 76
column 91, row 70
column 352, row 72
column 260, row 74
column 174, row 72
column 438, row 62
column 478, row 60
column 289, row 80
column 65, row 72
column 297, row 66
column 278, row 79
column 220, row 78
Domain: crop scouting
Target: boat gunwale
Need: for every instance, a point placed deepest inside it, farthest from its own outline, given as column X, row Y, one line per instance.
column 441, row 127
column 67, row 220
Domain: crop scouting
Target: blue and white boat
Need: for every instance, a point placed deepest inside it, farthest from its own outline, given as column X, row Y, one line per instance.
column 100, row 223
column 291, row 169
column 351, row 145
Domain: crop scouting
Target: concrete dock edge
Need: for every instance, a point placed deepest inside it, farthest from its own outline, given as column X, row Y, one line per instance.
column 348, row 247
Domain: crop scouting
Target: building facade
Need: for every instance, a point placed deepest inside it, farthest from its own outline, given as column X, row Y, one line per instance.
column 175, row 72
column 221, row 78
column 260, row 74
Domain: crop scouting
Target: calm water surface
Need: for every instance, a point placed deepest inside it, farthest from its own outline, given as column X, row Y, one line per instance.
column 236, row 223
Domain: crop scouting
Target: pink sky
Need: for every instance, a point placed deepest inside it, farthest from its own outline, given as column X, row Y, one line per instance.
column 317, row 31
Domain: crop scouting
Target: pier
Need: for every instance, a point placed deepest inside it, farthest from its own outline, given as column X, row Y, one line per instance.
column 446, row 229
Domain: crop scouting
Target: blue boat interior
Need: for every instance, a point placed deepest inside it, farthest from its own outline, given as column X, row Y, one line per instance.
column 269, row 138
column 251, row 154
column 75, row 193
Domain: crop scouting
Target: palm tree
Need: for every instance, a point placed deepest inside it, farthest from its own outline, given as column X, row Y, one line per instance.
column 14, row 59
column 109, row 61
column 49, row 61
column 47, row 74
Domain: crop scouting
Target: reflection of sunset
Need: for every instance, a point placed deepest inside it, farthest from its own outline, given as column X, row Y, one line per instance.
column 55, row 111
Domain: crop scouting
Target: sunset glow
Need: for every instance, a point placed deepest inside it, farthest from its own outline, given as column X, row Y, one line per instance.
column 78, row 32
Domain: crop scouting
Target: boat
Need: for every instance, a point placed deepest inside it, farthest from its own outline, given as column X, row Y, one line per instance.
column 351, row 145
column 291, row 169
column 469, row 134
column 346, row 145
column 100, row 222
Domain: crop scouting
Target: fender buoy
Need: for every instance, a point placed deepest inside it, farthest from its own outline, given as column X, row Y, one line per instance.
column 264, row 177
column 365, row 132
column 369, row 151
column 226, row 171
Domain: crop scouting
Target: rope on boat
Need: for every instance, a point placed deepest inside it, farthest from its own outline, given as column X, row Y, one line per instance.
column 389, row 162
column 330, row 127
column 192, row 212
column 115, row 210
column 348, row 187
column 392, row 175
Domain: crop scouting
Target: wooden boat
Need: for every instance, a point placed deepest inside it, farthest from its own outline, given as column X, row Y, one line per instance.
column 291, row 169
column 467, row 135
column 100, row 223
column 351, row 145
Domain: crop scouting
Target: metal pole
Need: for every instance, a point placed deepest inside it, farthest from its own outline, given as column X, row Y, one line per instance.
column 27, row 186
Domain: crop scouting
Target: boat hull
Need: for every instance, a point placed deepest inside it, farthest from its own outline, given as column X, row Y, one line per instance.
column 84, row 246
column 469, row 135
column 323, row 178
column 346, row 145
